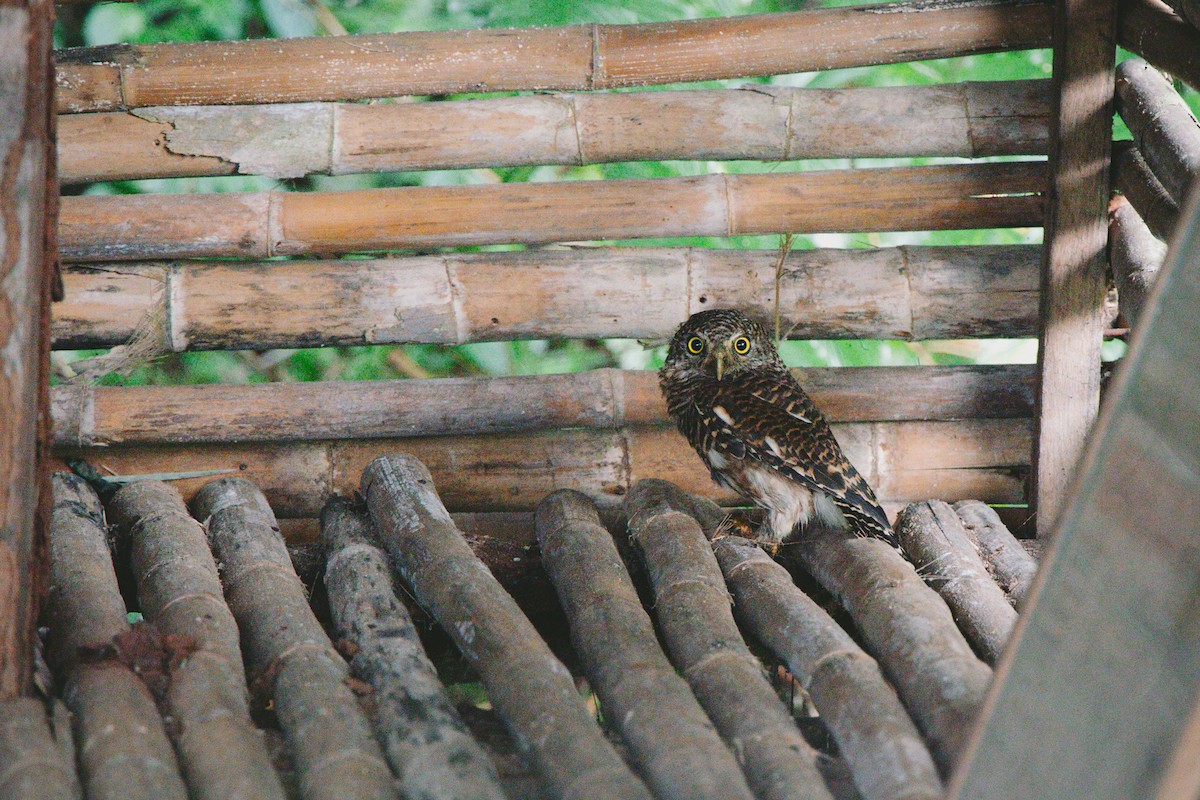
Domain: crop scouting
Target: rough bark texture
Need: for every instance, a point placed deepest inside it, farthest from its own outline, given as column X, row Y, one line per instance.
column 1008, row 561
column 1136, row 256
column 693, row 610
column 1150, row 29
column 289, row 657
column 886, row 754
column 223, row 756
column 124, row 753
column 430, row 749
column 672, row 741
column 1133, row 178
column 934, row 538
column 37, row 751
column 1164, row 129
column 530, row 688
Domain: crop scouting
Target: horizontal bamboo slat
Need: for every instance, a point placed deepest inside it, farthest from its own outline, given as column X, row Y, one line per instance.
column 885, row 293
column 905, row 461
column 578, row 57
column 87, row 416
column 767, row 123
column 1152, row 30
column 264, row 224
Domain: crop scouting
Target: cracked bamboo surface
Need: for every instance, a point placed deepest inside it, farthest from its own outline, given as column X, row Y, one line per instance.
column 754, row 122
column 569, row 58
column 1007, row 561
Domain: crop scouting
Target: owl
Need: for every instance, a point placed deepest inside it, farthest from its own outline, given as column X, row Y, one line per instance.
column 758, row 432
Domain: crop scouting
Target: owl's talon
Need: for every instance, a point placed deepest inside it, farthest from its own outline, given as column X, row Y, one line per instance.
column 771, row 548
column 735, row 524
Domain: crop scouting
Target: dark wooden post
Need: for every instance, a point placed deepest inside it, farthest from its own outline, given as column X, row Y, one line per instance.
column 1072, row 298
column 28, row 204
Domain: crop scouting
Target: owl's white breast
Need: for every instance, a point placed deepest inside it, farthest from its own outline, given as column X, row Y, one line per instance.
column 788, row 503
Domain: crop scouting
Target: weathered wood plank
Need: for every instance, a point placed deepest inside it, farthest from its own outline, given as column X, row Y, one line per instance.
column 1150, row 29
column 1073, row 286
column 568, row 58
column 755, row 122
column 1164, row 129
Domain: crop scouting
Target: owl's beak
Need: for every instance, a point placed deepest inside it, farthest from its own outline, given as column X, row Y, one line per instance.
column 720, row 356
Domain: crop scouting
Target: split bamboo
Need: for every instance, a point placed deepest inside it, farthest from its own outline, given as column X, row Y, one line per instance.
column 935, row 539
column 37, row 751
column 1136, row 256
column 223, row 756
column 753, row 122
column 692, row 607
column 91, row 416
column 267, row 224
column 886, row 293
column 568, row 58
column 1150, row 29
column 1009, row 562
column 28, row 200
column 528, row 686
column 875, row 735
column 905, row 461
column 430, row 749
column 1133, row 178
column 1164, row 129
column 124, row 753
column 289, row 658
column 1188, row 10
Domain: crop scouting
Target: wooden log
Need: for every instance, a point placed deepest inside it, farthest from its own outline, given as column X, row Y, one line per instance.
column 222, row 754
column 430, row 749
column 1188, row 10
column 37, row 751
column 1073, row 283
column 932, row 292
column 692, row 607
column 1010, row 564
column 1136, row 255
column 672, row 741
column 1164, row 129
column 907, row 461
column 874, row 733
column 935, row 539
column 571, row 58
column 290, row 140
column 288, row 656
column 1133, row 178
column 90, row 416
column 1150, row 29
column 28, row 200
column 266, row 224
column 527, row 685
column 123, row 749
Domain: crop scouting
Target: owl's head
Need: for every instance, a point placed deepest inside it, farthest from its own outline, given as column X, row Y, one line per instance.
column 722, row 344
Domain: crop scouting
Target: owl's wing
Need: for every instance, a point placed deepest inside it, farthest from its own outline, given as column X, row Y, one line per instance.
column 774, row 422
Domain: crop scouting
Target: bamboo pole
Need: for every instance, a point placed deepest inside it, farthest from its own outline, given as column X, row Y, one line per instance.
column 37, row 752
column 1188, row 10
column 28, row 199
column 935, row 539
column 288, row 656
column 1164, row 129
column 527, row 685
column 179, row 591
column 671, row 739
column 124, row 753
column 571, row 58
column 1136, row 256
column 1009, row 562
column 1150, row 29
column 91, row 416
column 756, row 122
column 430, row 749
column 1133, row 178
column 933, row 292
column 905, row 461
column 875, row 735
column 266, row 224
column 692, row 607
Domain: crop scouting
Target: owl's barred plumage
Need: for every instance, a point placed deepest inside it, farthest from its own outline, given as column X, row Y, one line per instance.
column 757, row 431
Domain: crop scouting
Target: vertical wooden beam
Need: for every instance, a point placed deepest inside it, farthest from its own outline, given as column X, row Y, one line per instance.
column 28, row 199
column 1072, row 299
column 1099, row 696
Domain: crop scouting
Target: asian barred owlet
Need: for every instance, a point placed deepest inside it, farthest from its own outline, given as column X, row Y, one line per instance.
column 758, row 432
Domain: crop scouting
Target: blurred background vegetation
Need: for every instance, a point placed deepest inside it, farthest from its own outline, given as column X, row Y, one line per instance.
column 195, row 20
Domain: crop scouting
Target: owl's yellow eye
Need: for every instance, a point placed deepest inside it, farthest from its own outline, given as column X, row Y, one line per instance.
column 741, row 345
column 695, row 345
